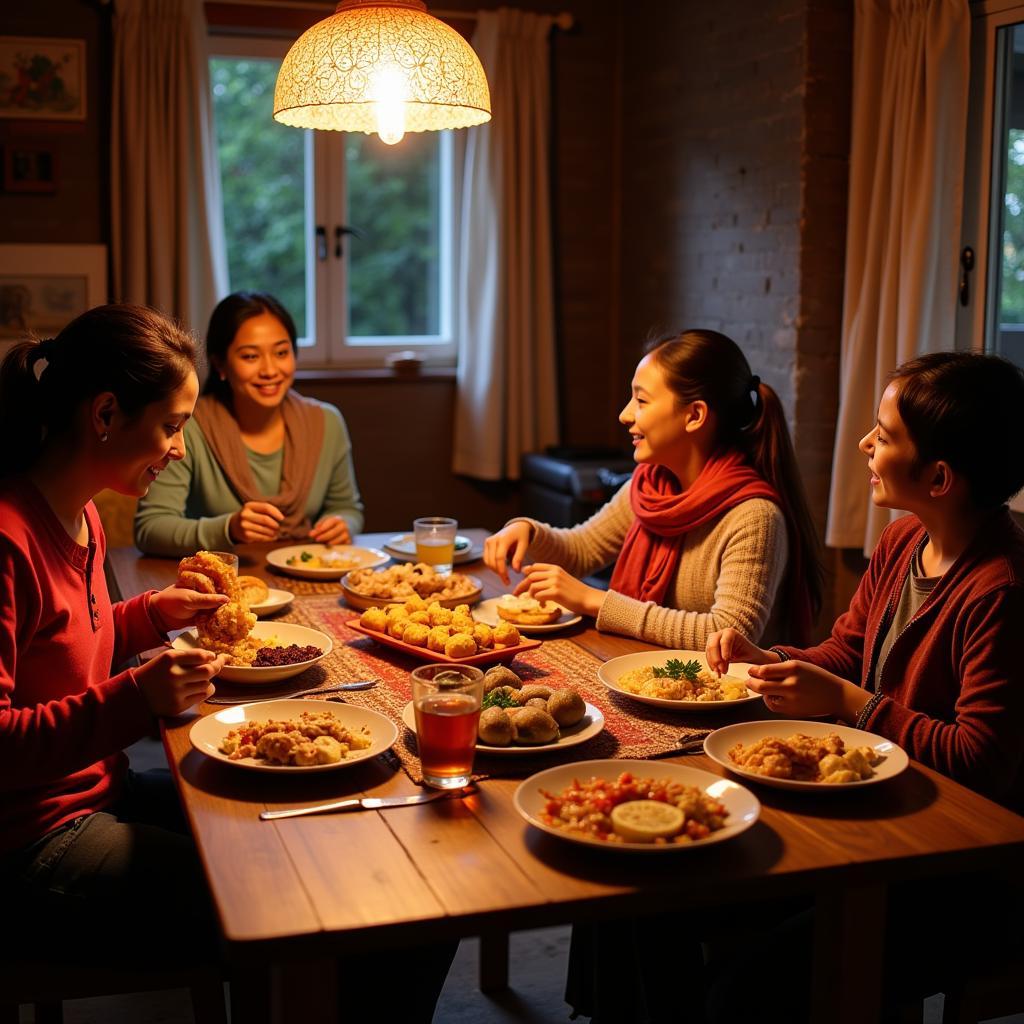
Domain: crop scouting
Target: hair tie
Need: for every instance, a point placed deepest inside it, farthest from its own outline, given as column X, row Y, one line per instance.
column 755, row 382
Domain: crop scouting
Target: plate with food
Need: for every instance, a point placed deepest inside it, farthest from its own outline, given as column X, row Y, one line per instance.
column 293, row 735
column 676, row 680
column 403, row 546
column 325, row 561
column 270, row 652
column 263, row 599
column 526, row 613
column 522, row 719
column 636, row 806
column 479, row 656
column 397, row 584
column 805, row 755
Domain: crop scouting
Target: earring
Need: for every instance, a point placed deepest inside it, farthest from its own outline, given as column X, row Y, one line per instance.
column 104, row 436
column 223, row 376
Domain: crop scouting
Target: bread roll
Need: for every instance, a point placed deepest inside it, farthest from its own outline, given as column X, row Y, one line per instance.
column 532, row 726
column 495, row 727
column 566, row 707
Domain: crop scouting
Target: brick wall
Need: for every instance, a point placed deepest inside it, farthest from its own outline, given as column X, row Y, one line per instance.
column 734, row 165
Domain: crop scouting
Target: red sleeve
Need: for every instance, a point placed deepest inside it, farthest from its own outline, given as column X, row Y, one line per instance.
column 981, row 747
column 134, row 627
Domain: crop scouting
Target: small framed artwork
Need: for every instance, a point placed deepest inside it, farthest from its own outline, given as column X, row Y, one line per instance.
column 42, row 79
column 44, row 287
column 29, row 169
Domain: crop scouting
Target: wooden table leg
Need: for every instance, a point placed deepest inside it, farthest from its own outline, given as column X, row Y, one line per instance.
column 304, row 992
column 493, row 962
column 849, row 937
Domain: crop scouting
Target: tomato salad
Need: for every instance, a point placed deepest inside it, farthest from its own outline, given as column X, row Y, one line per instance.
column 587, row 808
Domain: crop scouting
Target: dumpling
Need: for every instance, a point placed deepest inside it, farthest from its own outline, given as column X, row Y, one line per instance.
column 495, row 727
column 532, row 690
column 532, row 726
column 566, row 707
column 499, row 675
column 460, row 645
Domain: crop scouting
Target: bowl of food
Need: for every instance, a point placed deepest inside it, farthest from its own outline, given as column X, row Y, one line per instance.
column 324, row 561
column 272, row 651
column 365, row 588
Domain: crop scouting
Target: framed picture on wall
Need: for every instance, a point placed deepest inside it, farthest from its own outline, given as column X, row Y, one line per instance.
column 42, row 79
column 43, row 287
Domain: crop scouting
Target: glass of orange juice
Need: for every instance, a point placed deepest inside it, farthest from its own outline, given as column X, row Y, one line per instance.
column 446, row 702
column 435, row 542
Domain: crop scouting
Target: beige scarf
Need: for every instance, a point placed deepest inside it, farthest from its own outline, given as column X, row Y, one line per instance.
column 303, row 439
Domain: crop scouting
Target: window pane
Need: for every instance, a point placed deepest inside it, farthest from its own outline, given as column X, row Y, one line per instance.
column 394, row 280
column 1006, row 336
column 263, row 171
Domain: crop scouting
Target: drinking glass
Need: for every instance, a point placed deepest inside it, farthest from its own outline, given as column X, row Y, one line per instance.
column 230, row 559
column 435, row 542
column 446, row 701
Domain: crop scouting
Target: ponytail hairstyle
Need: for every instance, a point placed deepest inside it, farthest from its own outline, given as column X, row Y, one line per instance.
column 965, row 408
column 136, row 353
column 708, row 366
column 227, row 317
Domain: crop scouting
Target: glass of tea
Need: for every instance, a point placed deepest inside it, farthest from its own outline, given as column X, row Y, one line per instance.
column 229, row 558
column 446, row 701
column 435, row 542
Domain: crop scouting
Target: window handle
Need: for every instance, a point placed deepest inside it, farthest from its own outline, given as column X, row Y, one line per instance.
column 340, row 231
column 966, row 266
column 321, row 243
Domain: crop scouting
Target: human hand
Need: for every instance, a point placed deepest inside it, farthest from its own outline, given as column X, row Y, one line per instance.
column 514, row 538
column 331, row 530
column 177, row 607
column 729, row 645
column 553, row 583
column 255, row 521
column 798, row 689
column 175, row 680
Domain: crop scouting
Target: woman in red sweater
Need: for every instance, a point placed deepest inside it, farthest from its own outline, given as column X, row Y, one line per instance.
column 85, row 842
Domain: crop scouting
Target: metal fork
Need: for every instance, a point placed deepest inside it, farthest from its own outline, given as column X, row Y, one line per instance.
column 688, row 744
column 359, row 684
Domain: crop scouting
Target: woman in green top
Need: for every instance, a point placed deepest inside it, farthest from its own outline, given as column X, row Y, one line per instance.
column 262, row 462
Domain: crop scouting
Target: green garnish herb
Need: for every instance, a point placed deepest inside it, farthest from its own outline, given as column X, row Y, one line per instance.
column 497, row 699
column 676, row 669
column 306, row 556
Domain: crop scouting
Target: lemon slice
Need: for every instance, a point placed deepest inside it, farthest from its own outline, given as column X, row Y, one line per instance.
column 643, row 821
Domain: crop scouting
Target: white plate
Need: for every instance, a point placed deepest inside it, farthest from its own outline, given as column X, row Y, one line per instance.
column 276, row 600
column 610, row 671
column 487, row 611
column 208, row 732
column 743, row 807
column 356, row 558
column 403, row 547
column 589, row 725
column 286, row 633
column 717, row 745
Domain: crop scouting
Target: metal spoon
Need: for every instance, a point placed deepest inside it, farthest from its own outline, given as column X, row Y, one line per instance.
column 359, row 684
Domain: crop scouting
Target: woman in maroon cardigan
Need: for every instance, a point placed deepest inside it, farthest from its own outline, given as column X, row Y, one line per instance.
column 928, row 653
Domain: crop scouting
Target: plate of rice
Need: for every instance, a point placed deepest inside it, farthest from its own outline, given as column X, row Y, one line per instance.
column 678, row 680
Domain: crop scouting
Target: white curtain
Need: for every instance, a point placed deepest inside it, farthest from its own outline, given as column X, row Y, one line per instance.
column 507, row 392
column 910, row 82
column 168, row 233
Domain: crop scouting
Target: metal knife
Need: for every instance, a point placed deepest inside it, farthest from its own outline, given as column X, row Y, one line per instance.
column 369, row 803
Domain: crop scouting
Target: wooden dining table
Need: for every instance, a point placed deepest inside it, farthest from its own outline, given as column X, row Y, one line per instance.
column 295, row 894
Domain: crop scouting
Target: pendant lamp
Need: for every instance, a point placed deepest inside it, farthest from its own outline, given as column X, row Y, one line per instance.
column 384, row 66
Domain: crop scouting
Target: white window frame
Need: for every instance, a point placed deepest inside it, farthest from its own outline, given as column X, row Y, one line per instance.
column 981, row 206
column 328, row 345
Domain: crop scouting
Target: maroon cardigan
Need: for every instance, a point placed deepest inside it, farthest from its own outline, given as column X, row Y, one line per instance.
column 954, row 678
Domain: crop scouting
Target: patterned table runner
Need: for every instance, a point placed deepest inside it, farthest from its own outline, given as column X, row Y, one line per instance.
column 632, row 729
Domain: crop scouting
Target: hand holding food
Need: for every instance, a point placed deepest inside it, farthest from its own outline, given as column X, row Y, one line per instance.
column 331, row 530
column 801, row 690
column 730, row 645
column 175, row 680
column 552, row 583
column 255, row 521
column 507, row 547
column 177, row 607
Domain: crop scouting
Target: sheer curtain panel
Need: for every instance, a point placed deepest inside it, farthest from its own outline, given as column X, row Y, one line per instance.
column 168, row 235
column 507, row 393
column 910, row 81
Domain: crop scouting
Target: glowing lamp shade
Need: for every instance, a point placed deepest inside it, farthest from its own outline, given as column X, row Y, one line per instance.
column 383, row 66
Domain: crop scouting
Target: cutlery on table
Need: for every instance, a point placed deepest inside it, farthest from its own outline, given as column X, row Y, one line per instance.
column 369, row 803
column 687, row 745
column 359, row 684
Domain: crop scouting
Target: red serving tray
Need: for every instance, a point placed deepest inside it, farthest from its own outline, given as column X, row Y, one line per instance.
column 425, row 654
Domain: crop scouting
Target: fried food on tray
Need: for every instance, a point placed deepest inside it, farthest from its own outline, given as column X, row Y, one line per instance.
column 315, row 737
column 528, row 611
column 806, row 759
column 226, row 629
column 405, row 581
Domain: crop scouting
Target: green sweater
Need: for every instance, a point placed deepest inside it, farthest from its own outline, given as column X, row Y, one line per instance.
column 188, row 506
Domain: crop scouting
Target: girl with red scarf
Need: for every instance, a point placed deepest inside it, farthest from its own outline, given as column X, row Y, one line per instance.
column 713, row 520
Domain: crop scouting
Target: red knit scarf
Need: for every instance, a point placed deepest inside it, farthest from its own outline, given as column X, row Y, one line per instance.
column 663, row 513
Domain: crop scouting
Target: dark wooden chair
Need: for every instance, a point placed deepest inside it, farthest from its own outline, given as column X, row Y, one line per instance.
column 996, row 991
column 47, row 985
